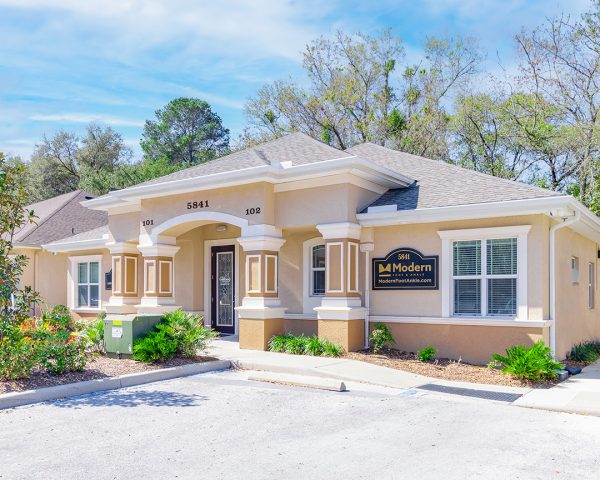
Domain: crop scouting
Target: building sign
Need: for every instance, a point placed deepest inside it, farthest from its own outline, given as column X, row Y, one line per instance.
column 405, row 269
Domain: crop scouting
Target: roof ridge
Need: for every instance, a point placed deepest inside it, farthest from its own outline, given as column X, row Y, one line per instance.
column 58, row 209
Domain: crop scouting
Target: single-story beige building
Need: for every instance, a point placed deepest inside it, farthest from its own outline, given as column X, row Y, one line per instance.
column 296, row 236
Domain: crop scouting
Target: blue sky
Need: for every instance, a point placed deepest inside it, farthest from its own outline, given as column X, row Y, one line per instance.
column 64, row 63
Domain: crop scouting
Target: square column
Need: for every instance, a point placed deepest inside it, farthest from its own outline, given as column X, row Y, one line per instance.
column 341, row 316
column 261, row 313
column 125, row 285
column 159, row 278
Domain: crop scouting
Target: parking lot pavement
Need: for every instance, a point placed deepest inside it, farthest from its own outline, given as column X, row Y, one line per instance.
column 222, row 426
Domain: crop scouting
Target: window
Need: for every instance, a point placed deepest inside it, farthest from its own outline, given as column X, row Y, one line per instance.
column 591, row 285
column 485, row 277
column 575, row 270
column 88, row 285
column 484, row 272
column 317, row 270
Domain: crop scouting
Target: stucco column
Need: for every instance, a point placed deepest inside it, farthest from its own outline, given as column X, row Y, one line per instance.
column 159, row 277
column 261, row 312
column 341, row 316
column 125, row 283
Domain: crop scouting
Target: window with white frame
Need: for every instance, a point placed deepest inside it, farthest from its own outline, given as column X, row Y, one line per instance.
column 88, row 285
column 591, row 285
column 485, row 277
column 317, row 270
column 484, row 272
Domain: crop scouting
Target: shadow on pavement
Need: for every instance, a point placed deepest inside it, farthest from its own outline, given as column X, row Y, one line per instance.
column 155, row 398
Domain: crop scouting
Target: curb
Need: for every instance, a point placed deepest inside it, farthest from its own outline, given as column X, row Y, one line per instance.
column 16, row 399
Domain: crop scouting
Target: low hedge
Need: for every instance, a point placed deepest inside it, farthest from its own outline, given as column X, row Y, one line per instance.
column 301, row 345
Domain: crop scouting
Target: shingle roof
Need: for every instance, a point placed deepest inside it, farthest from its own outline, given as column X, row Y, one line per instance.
column 440, row 184
column 60, row 217
column 297, row 148
column 94, row 234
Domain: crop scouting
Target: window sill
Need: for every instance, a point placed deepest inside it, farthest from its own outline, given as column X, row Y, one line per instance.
column 464, row 321
column 87, row 310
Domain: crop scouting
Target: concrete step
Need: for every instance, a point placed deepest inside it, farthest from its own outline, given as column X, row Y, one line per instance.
column 299, row 381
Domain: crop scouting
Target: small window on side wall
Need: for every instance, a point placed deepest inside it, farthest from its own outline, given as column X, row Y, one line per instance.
column 591, row 285
column 317, row 270
column 575, row 270
column 88, row 285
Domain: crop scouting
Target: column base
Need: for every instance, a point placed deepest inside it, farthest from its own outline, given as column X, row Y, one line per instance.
column 255, row 333
column 350, row 334
column 121, row 305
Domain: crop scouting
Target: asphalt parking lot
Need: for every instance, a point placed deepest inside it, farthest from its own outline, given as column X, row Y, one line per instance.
column 222, row 426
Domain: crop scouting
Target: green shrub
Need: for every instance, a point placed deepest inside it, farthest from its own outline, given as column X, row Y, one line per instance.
column 381, row 336
column 189, row 332
column 178, row 333
column 296, row 345
column 157, row 346
column 278, row 342
column 314, row 346
column 587, row 352
column 58, row 344
column 528, row 363
column 301, row 345
column 93, row 332
column 17, row 357
column 426, row 354
column 331, row 349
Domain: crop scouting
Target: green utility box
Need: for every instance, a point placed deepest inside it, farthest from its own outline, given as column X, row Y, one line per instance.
column 121, row 330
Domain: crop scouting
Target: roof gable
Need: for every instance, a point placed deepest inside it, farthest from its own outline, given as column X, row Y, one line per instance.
column 60, row 217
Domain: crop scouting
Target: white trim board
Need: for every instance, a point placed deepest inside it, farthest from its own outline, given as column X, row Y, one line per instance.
column 462, row 321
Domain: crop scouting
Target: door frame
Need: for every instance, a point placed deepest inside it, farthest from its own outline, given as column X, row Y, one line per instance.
column 208, row 244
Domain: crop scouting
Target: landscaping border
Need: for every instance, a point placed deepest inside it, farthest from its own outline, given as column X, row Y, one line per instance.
column 27, row 397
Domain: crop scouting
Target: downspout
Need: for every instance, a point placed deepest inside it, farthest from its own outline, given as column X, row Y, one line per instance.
column 35, row 286
column 566, row 221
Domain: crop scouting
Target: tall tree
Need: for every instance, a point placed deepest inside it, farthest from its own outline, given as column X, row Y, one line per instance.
column 356, row 94
column 63, row 163
column 560, row 64
column 186, row 131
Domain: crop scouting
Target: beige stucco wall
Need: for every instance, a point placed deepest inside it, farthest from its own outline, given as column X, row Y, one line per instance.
column 575, row 321
column 472, row 344
column 311, row 206
column 47, row 273
column 424, row 237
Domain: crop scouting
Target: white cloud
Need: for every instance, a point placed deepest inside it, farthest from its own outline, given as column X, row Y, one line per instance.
column 86, row 118
column 257, row 28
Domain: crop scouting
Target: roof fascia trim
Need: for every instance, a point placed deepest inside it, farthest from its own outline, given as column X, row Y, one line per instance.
column 268, row 173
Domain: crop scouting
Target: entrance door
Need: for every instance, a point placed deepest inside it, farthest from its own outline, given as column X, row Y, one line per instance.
column 223, row 288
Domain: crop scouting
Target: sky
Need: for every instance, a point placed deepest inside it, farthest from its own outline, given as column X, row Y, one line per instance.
column 65, row 63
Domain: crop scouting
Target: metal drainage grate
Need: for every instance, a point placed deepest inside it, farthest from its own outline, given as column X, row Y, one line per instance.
column 469, row 392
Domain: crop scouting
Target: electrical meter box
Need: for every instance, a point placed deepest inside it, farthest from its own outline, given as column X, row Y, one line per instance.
column 121, row 330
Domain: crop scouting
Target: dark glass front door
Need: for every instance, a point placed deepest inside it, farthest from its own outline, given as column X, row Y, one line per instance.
column 223, row 288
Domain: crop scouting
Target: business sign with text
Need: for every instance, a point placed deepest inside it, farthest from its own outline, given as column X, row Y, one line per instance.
column 405, row 269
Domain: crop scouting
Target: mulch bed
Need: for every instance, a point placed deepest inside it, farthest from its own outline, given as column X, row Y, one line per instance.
column 98, row 366
column 443, row 368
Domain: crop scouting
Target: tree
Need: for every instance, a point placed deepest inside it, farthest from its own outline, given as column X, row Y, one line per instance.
column 186, row 131
column 560, row 64
column 64, row 162
column 16, row 357
column 356, row 94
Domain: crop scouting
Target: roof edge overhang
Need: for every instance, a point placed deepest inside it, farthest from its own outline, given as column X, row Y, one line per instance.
column 80, row 245
column 556, row 207
column 275, row 174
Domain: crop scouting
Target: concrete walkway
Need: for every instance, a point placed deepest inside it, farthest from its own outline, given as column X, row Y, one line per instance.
column 578, row 394
column 227, row 348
